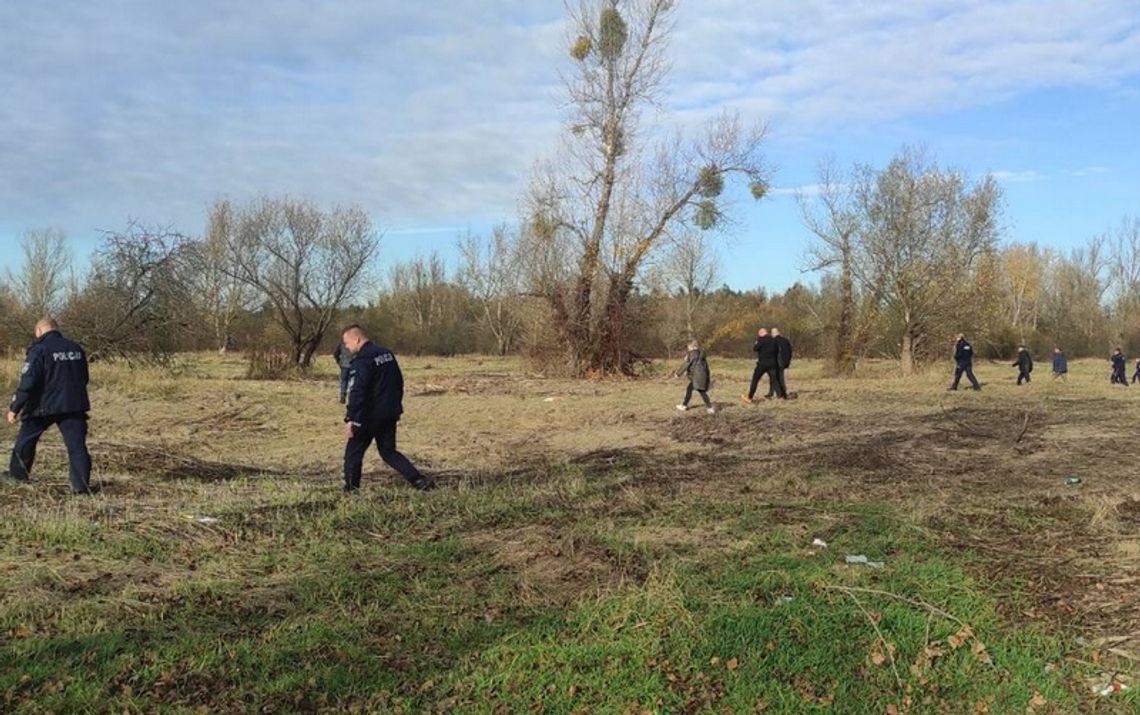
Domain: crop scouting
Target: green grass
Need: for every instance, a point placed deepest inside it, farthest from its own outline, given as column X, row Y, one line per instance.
column 382, row 604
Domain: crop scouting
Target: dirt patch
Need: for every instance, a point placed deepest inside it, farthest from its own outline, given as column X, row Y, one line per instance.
column 554, row 565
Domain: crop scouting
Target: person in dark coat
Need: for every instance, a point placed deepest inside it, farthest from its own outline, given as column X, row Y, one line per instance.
column 964, row 363
column 1136, row 375
column 696, row 366
column 767, row 360
column 1024, row 364
column 343, row 357
column 1119, row 368
column 52, row 392
column 1060, row 364
column 777, row 384
column 375, row 403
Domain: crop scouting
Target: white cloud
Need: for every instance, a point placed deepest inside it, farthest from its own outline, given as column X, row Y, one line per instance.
column 1018, row 177
column 432, row 113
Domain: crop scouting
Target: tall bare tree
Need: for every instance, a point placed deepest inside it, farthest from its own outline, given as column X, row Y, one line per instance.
column 305, row 262
column 42, row 279
column 831, row 213
column 923, row 231
column 220, row 295
column 613, row 197
column 490, row 273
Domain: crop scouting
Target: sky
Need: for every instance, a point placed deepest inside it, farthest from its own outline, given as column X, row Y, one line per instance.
column 432, row 115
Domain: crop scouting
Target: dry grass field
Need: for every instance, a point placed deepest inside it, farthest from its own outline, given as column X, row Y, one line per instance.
column 591, row 549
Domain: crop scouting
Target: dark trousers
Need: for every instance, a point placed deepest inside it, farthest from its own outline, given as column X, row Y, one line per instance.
column 344, row 373
column 968, row 371
column 689, row 395
column 1022, row 376
column 384, row 434
column 1118, row 377
column 758, row 374
column 1136, row 377
column 776, row 385
column 74, row 430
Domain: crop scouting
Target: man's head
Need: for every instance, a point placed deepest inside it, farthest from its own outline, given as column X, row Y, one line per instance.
column 46, row 325
column 1056, row 350
column 694, row 345
column 1020, row 348
column 353, row 337
column 1117, row 351
column 961, row 336
column 762, row 333
column 775, row 332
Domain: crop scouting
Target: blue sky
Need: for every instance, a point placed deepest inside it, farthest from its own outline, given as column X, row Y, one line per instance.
column 430, row 115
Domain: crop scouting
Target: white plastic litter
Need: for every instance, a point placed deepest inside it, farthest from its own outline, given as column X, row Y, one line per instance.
column 862, row 560
column 820, row 543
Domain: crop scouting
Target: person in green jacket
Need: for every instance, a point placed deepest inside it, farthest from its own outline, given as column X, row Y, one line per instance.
column 696, row 366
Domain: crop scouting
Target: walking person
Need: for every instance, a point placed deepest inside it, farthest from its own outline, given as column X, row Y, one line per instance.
column 1136, row 375
column 696, row 366
column 767, row 358
column 964, row 363
column 52, row 392
column 778, row 385
column 1024, row 364
column 1119, row 368
column 343, row 357
column 375, row 403
column 1060, row 364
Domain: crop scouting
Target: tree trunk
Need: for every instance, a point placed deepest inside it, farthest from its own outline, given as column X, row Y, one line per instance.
column 844, row 359
column 906, row 359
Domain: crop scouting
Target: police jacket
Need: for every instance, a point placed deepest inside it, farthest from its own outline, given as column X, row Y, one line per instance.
column 697, row 368
column 375, row 387
column 1024, row 362
column 53, row 380
column 767, row 351
column 783, row 351
column 964, row 354
column 1060, row 363
column 1118, row 363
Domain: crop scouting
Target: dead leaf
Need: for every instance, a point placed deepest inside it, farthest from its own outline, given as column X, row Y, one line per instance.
column 1037, row 701
column 714, row 661
column 878, row 658
column 979, row 650
column 732, row 664
column 960, row 638
column 981, row 708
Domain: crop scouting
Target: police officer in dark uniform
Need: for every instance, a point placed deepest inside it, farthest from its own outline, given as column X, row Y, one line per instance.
column 964, row 363
column 767, row 359
column 375, row 403
column 52, row 391
column 779, row 386
column 1024, row 364
column 1119, row 368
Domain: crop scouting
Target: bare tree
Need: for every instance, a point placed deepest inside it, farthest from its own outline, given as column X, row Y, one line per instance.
column 490, row 273
column 135, row 298
column 832, row 215
column 923, row 231
column 221, row 296
column 304, row 261
column 42, row 280
column 611, row 200
column 690, row 270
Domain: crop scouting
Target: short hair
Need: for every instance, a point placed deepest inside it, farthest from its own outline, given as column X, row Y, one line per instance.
column 353, row 327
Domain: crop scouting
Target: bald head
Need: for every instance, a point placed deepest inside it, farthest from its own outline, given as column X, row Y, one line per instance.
column 775, row 332
column 46, row 325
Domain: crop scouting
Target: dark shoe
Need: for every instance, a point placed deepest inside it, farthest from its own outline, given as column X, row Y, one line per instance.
column 13, row 479
column 351, row 490
column 424, row 484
